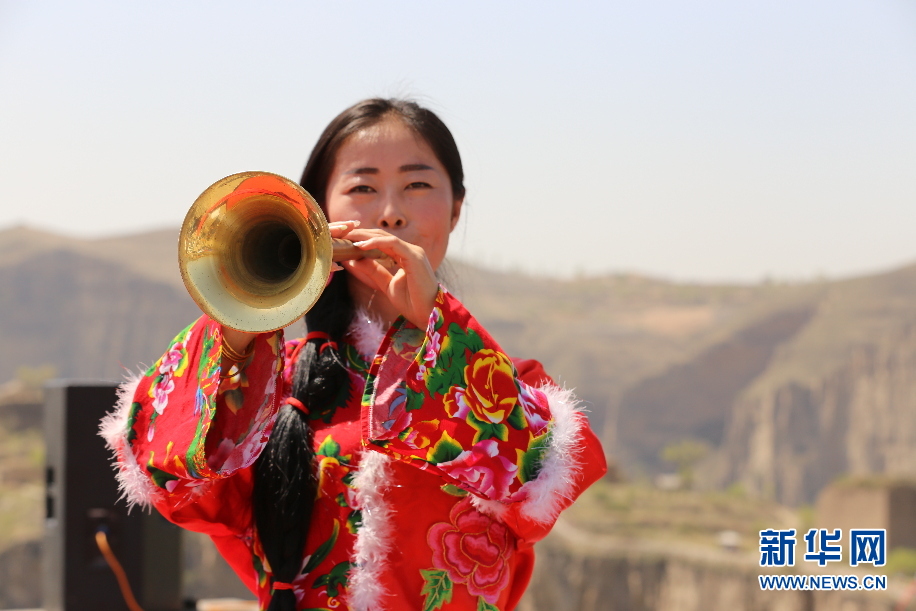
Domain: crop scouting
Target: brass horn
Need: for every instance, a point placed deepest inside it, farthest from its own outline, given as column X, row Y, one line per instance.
column 255, row 251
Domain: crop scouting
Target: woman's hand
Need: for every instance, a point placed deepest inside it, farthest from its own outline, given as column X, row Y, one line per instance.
column 339, row 230
column 407, row 279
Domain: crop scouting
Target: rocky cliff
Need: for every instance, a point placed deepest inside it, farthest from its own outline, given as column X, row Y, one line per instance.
column 790, row 442
column 837, row 399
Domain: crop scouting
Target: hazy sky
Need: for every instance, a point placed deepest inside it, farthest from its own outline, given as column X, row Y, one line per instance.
column 693, row 140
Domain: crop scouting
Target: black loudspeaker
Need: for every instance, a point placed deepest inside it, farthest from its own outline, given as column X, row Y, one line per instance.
column 81, row 499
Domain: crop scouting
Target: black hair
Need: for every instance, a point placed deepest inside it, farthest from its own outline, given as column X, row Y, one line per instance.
column 285, row 484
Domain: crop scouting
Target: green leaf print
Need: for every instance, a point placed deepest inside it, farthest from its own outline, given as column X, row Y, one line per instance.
column 350, row 476
column 466, row 337
column 334, row 580
column 437, row 589
column 517, row 418
column 446, row 449
column 453, row 490
column 452, row 359
column 414, row 399
column 207, row 366
column 132, row 420
column 160, row 477
column 529, row 462
column 354, row 521
column 328, row 448
column 368, row 389
column 488, row 430
column 323, row 550
column 259, row 568
column 194, row 457
column 355, row 360
column 483, row 605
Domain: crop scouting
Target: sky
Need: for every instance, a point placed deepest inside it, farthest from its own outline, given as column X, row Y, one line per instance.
column 699, row 141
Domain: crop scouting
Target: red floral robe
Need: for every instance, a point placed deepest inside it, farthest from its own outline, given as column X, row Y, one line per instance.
column 439, row 465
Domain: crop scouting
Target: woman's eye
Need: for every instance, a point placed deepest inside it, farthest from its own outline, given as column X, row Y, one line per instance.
column 419, row 185
column 361, row 189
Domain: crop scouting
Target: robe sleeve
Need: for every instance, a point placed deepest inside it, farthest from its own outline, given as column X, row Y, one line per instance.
column 450, row 401
column 184, row 427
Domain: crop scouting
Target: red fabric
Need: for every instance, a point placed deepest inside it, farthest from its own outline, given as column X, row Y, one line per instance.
column 454, row 415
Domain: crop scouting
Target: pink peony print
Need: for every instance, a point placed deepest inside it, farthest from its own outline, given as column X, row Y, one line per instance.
column 434, row 318
column 534, row 403
column 484, row 469
column 433, row 345
column 430, row 354
column 455, row 404
column 473, row 549
column 171, row 365
column 161, row 393
column 172, row 358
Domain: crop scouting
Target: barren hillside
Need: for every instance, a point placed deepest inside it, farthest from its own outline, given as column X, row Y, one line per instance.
column 655, row 362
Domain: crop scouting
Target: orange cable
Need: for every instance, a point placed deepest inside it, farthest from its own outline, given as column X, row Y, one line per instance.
column 102, row 541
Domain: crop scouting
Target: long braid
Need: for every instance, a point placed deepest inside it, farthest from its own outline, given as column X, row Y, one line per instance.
column 285, row 483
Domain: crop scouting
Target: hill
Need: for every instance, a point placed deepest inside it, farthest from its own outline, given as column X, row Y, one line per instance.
column 780, row 381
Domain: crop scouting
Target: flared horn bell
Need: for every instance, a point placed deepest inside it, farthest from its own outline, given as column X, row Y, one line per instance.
column 255, row 252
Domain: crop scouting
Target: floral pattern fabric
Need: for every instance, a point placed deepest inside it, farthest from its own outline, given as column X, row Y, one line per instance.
column 471, row 549
column 439, row 464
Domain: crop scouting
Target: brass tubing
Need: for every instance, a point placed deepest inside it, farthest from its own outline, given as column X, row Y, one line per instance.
column 344, row 250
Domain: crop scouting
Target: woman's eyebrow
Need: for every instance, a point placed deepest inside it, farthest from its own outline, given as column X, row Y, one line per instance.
column 410, row 167
column 414, row 167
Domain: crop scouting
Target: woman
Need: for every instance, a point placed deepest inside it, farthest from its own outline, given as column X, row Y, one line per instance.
column 394, row 458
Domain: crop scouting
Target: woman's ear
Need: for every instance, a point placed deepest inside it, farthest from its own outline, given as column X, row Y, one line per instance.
column 456, row 213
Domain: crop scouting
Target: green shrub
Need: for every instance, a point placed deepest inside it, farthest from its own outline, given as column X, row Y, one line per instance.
column 901, row 560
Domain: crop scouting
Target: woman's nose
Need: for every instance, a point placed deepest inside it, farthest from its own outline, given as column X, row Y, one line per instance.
column 392, row 214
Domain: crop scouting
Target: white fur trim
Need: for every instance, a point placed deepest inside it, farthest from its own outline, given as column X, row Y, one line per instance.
column 495, row 509
column 133, row 483
column 373, row 539
column 367, row 334
column 555, row 482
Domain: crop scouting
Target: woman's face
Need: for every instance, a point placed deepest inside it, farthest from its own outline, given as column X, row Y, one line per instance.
column 387, row 177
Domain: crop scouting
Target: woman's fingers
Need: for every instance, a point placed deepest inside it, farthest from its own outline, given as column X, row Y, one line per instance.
column 402, row 255
column 339, row 230
column 401, row 252
column 406, row 277
column 342, row 228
